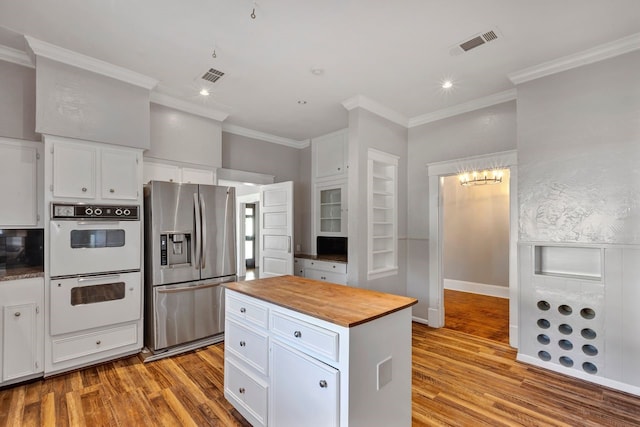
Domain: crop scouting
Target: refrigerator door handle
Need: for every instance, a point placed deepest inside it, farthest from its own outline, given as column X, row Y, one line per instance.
column 203, row 206
column 196, row 206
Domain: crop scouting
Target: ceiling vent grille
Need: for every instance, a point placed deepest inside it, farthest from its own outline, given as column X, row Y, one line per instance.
column 212, row 75
column 475, row 41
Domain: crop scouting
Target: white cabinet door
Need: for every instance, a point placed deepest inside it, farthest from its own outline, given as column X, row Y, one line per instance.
column 198, row 176
column 19, row 191
column 329, row 154
column 298, row 267
column 331, row 211
column 119, row 174
column 19, row 355
column 304, row 390
column 74, row 167
column 160, row 172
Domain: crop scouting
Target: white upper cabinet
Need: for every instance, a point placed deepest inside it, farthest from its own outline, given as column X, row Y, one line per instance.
column 21, row 172
column 119, row 174
column 198, row 176
column 329, row 154
column 332, row 210
column 99, row 172
column 158, row 171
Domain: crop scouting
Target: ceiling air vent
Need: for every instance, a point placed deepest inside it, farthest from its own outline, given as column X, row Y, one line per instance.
column 212, row 75
column 474, row 41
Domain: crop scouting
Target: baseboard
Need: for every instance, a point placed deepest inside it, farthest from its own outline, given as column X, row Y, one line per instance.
column 419, row 320
column 477, row 288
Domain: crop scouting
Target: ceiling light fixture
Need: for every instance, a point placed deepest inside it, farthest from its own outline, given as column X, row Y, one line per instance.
column 447, row 84
column 302, row 102
column 481, row 178
column 204, row 92
column 317, row 71
column 253, row 12
column 213, row 55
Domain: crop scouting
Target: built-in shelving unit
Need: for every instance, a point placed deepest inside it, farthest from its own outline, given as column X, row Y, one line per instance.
column 382, row 214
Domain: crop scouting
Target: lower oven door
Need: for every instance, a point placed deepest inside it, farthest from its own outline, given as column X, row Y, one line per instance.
column 187, row 312
column 86, row 247
column 81, row 303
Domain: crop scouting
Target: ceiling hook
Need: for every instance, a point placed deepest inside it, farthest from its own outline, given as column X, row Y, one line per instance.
column 213, row 55
column 253, row 13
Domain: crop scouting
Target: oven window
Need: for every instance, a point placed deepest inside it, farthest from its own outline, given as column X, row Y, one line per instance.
column 97, row 238
column 97, row 293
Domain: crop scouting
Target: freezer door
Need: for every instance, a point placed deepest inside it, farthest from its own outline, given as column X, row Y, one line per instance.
column 186, row 312
column 171, row 227
column 217, row 207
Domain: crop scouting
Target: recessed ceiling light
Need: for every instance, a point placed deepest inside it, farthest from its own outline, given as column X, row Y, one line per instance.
column 447, row 84
column 204, row 92
column 317, row 71
column 302, row 102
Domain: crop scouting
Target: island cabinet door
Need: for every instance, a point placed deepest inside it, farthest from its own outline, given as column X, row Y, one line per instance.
column 305, row 391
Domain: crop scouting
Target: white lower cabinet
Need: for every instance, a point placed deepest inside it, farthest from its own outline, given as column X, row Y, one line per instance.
column 298, row 370
column 22, row 328
column 327, row 271
column 304, row 391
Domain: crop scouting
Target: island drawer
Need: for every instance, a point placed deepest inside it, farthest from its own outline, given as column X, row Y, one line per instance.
column 243, row 308
column 305, row 336
column 249, row 345
column 336, row 267
column 248, row 392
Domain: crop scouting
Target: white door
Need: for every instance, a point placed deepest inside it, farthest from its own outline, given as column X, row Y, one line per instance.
column 276, row 229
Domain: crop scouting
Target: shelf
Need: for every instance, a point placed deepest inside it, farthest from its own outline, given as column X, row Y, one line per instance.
column 382, row 193
column 383, row 237
column 382, row 177
column 382, row 208
column 384, row 251
column 330, row 203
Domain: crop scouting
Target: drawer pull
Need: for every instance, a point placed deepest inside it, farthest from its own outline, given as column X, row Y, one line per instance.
column 243, row 310
column 242, row 343
column 84, row 189
column 111, row 190
column 98, row 342
column 241, row 390
column 323, row 384
column 17, row 314
column 297, row 334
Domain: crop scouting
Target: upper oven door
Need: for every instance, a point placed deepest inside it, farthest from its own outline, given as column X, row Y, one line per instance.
column 88, row 247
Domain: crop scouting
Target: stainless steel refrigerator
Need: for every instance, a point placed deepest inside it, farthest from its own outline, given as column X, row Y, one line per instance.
column 189, row 251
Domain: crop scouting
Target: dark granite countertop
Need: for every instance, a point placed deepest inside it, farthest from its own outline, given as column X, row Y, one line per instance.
column 328, row 258
column 21, row 273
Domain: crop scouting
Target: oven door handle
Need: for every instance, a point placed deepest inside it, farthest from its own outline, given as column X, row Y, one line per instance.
column 93, row 279
column 196, row 207
column 94, row 223
column 187, row 288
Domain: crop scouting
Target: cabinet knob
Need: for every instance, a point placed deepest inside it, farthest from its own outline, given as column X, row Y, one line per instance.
column 334, row 266
column 241, row 390
column 84, row 189
column 242, row 343
column 338, row 168
column 111, row 190
column 98, row 342
column 17, row 314
column 297, row 334
column 243, row 310
column 322, row 384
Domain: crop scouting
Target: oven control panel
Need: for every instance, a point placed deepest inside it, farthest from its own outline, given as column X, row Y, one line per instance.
column 82, row 211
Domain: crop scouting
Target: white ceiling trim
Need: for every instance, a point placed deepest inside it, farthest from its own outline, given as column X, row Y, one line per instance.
column 475, row 104
column 179, row 104
column 88, row 63
column 15, row 56
column 500, row 160
column 250, row 133
column 589, row 56
column 365, row 103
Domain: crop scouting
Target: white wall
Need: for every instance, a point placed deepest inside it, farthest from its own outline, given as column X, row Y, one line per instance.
column 579, row 154
column 76, row 103
column 17, row 102
column 368, row 130
column 484, row 131
column 184, row 137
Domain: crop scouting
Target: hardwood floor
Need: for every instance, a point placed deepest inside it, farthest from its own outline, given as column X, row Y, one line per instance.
column 478, row 315
column 458, row 380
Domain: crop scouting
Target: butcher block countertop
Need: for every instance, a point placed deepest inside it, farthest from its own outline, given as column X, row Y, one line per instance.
column 342, row 305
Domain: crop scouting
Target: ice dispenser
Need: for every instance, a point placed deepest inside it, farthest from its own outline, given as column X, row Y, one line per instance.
column 175, row 249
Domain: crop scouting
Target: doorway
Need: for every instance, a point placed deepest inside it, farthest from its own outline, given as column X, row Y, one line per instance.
column 250, row 236
column 475, row 241
column 437, row 173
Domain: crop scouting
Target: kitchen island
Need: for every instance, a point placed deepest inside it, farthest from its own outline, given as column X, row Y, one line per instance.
column 306, row 352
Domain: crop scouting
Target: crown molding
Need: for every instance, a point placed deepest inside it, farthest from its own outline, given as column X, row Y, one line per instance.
column 465, row 107
column 589, row 56
column 66, row 56
column 250, row 133
column 365, row 103
column 188, row 107
column 15, row 56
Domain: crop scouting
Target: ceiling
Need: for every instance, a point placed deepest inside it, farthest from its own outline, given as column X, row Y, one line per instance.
column 396, row 53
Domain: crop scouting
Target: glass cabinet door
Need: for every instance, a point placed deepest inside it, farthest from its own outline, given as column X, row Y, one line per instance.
column 332, row 204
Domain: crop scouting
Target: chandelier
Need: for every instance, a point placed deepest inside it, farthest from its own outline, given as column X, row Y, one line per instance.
column 481, row 178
